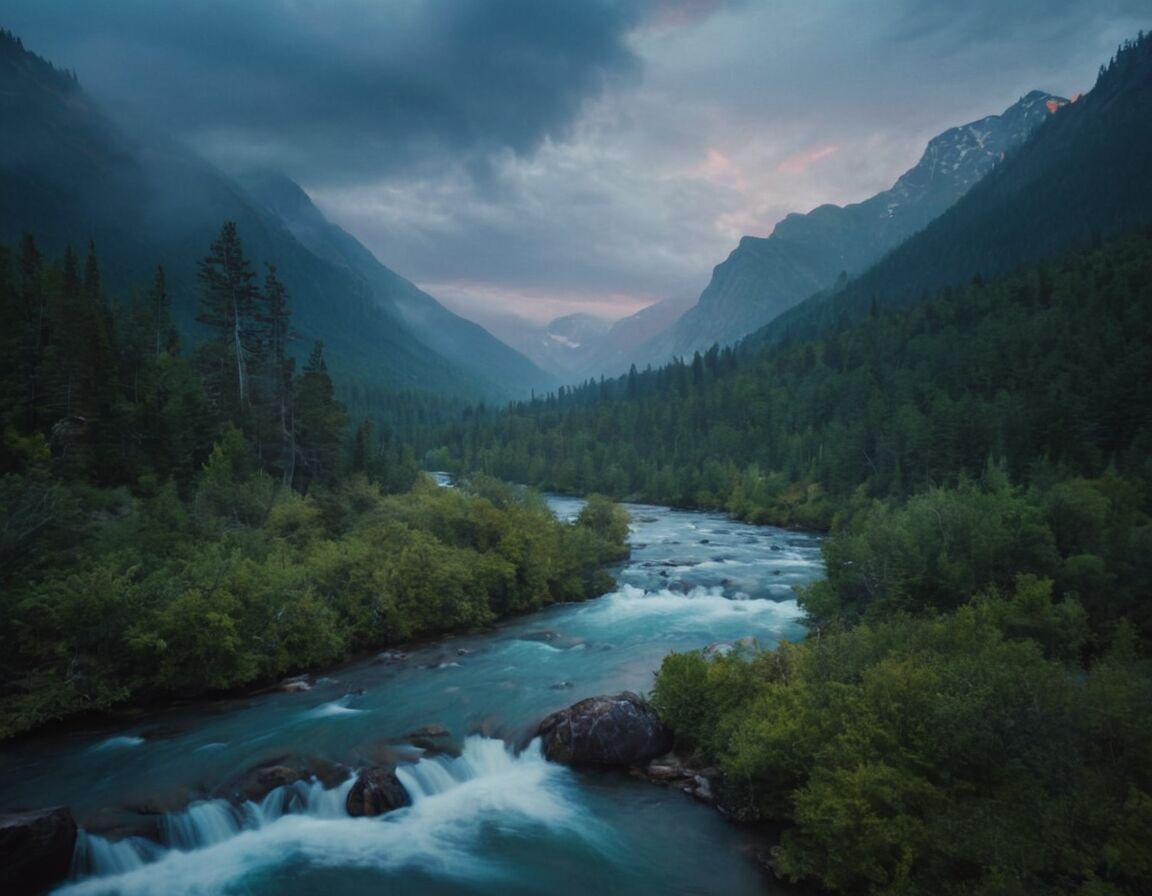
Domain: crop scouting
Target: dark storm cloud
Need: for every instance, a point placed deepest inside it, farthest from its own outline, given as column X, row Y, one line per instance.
column 520, row 151
column 338, row 89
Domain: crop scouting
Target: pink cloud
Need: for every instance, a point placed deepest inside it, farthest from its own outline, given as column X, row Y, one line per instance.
column 800, row 162
column 474, row 300
column 719, row 167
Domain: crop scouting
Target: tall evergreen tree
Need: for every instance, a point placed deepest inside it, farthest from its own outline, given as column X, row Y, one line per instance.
column 227, row 305
column 166, row 338
column 320, row 419
column 277, row 414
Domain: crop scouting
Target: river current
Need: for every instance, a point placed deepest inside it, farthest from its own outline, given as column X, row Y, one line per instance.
column 158, row 801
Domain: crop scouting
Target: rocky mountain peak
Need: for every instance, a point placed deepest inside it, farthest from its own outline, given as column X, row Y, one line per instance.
column 806, row 253
column 956, row 159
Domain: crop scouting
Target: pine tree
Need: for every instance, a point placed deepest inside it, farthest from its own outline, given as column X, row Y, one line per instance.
column 320, row 419
column 166, row 338
column 277, row 416
column 227, row 305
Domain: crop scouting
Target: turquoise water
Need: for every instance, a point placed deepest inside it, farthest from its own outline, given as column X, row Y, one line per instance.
column 495, row 819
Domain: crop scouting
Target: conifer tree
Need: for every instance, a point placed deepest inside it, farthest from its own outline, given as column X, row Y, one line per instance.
column 320, row 419
column 277, row 414
column 227, row 305
column 165, row 337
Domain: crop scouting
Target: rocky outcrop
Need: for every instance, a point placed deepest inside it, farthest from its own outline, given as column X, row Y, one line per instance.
column 619, row 730
column 376, row 791
column 35, row 849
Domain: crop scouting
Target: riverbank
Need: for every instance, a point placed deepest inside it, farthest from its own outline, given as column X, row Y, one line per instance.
column 692, row 579
column 163, row 598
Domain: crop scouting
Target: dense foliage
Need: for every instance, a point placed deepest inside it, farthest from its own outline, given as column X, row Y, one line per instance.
column 971, row 711
column 1043, row 372
column 945, row 755
column 174, row 526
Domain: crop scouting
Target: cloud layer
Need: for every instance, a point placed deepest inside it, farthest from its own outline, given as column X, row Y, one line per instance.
column 552, row 155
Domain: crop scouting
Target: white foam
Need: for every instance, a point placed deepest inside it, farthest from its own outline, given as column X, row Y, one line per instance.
column 700, row 604
column 334, row 708
column 117, row 743
column 458, row 805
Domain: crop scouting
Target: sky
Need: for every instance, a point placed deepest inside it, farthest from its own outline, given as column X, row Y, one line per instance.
column 539, row 157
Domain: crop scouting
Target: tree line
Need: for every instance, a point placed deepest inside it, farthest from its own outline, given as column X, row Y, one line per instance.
column 179, row 524
column 969, row 712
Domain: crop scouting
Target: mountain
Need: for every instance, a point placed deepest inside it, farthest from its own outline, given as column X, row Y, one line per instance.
column 615, row 351
column 69, row 174
column 577, row 347
column 1082, row 177
column 807, row 253
column 469, row 345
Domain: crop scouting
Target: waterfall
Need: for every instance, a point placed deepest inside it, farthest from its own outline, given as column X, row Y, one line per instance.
column 204, row 823
column 454, row 801
column 95, row 855
column 482, row 757
column 201, row 824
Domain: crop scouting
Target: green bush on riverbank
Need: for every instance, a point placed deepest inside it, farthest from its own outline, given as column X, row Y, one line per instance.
column 164, row 596
column 933, row 755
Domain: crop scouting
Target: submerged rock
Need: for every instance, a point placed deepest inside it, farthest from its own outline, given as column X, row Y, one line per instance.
column 429, row 731
column 35, row 849
column 376, row 791
column 543, row 636
column 258, row 782
column 614, row 730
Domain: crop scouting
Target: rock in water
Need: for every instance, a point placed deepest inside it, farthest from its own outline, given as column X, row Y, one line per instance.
column 376, row 791
column 35, row 849
column 618, row 730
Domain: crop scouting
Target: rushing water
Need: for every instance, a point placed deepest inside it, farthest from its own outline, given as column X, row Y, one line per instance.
column 162, row 814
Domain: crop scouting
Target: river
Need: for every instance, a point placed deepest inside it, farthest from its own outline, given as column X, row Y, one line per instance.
column 492, row 820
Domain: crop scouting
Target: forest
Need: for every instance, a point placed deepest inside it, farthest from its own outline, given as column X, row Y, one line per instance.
column 178, row 524
column 970, row 710
column 196, row 503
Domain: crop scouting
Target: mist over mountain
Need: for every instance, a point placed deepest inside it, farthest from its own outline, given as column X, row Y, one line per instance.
column 808, row 252
column 69, row 174
column 579, row 346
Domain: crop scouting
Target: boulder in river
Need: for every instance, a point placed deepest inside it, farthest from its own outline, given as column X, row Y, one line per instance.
column 376, row 791
column 35, row 849
column 617, row 730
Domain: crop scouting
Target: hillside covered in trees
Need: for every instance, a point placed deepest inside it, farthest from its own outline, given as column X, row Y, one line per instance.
column 969, row 713
column 175, row 525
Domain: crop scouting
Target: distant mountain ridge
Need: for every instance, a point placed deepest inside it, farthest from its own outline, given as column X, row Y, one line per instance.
column 69, row 174
column 577, row 347
column 1082, row 177
column 806, row 253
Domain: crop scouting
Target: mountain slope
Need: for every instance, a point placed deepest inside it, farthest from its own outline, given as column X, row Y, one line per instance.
column 68, row 175
column 1082, row 177
column 806, row 253
column 472, row 348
